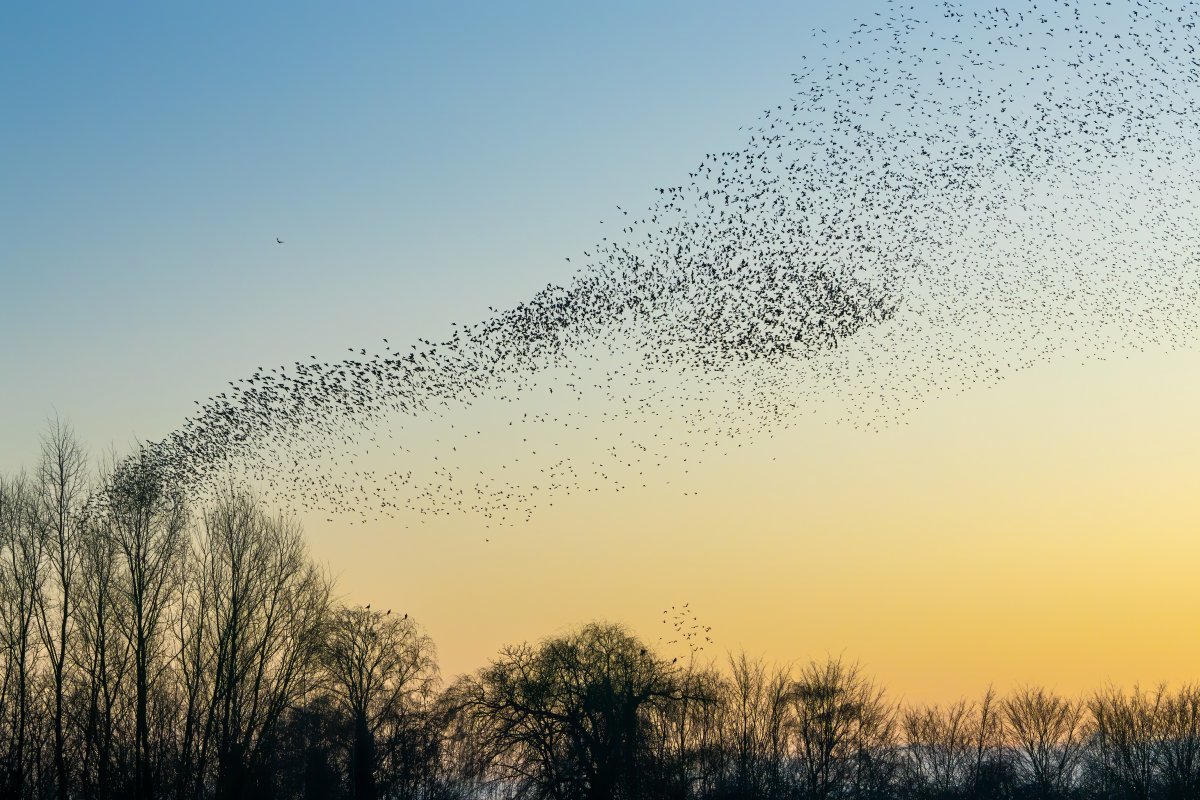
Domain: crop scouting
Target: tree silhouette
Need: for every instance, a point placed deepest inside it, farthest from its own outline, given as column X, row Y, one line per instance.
column 1048, row 733
column 380, row 668
column 567, row 717
column 145, row 517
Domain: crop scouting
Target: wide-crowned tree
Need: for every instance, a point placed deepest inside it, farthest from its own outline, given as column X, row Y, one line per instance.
column 568, row 718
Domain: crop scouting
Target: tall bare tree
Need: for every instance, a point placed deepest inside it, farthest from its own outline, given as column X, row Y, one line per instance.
column 1125, row 732
column 685, row 733
column 1179, row 743
column 61, row 488
column 145, row 517
column 266, row 605
column 843, row 729
column 194, row 668
column 756, row 722
column 22, row 572
column 102, row 657
column 940, row 748
column 1048, row 732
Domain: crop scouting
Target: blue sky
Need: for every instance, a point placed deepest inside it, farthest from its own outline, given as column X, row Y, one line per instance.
column 421, row 161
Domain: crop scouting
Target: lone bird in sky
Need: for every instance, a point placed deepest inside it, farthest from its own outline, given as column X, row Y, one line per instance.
column 278, row 240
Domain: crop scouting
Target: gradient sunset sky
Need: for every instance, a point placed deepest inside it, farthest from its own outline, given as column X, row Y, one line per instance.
column 426, row 161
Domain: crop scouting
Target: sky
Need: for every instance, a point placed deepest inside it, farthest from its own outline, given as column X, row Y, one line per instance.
column 423, row 162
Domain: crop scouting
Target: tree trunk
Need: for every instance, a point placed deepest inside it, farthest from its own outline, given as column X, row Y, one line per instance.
column 363, row 760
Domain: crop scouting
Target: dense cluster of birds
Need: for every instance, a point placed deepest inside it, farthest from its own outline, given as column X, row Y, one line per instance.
column 950, row 195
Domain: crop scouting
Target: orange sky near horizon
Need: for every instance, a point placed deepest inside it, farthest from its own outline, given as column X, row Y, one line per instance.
column 1043, row 530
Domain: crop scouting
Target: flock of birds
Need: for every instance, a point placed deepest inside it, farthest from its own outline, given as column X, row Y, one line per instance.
column 947, row 198
column 686, row 629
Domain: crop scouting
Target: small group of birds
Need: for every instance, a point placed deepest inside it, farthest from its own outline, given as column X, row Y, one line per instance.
column 942, row 202
column 686, row 629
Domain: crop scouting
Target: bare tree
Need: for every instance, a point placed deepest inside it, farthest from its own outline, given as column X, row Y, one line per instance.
column 1125, row 732
column 991, row 765
column 61, row 491
column 955, row 750
column 22, row 572
column 144, row 515
column 381, row 666
column 1178, row 745
column 1048, row 733
column 195, row 678
column 102, row 657
column 266, row 604
column 470, row 748
column 684, row 734
column 940, row 748
column 756, row 723
column 842, row 730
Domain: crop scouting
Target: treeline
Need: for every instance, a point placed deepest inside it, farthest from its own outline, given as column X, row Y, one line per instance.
column 155, row 647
